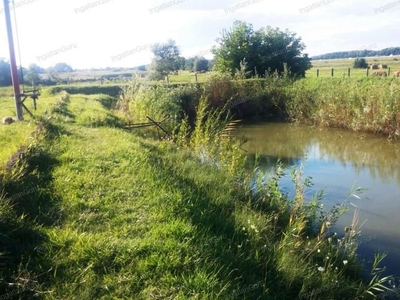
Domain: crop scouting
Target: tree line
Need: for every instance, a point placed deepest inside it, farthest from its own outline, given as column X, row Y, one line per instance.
column 31, row 75
column 241, row 51
column 359, row 53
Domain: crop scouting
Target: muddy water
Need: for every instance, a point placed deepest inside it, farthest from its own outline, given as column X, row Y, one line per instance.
column 339, row 161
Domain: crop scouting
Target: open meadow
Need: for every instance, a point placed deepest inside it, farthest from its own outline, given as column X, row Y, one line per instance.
column 341, row 66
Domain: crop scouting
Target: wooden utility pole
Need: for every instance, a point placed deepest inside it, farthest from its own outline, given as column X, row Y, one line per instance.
column 13, row 64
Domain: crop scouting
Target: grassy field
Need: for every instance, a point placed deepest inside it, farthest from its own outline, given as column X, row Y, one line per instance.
column 342, row 65
column 88, row 77
column 93, row 211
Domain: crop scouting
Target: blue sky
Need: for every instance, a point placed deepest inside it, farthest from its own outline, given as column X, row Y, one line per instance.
column 119, row 33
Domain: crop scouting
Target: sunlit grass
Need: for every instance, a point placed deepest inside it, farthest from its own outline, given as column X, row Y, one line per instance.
column 116, row 215
column 341, row 67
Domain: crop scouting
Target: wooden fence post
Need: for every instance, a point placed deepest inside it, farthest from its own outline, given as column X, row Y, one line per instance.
column 332, row 72
column 348, row 72
column 388, row 71
column 367, row 71
column 317, row 72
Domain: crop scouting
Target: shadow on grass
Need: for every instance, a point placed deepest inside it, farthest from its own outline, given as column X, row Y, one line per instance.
column 29, row 205
column 107, row 101
column 239, row 265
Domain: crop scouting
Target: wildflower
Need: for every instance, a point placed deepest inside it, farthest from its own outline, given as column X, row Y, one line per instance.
column 329, row 240
column 328, row 224
column 321, row 269
column 345, row 262
column 318, row 251
column 327, row 258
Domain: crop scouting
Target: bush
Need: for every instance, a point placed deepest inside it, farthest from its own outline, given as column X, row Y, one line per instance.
column 360, row 63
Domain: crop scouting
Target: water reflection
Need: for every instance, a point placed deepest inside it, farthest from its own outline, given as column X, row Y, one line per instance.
column 338, row 160
column 290, row 143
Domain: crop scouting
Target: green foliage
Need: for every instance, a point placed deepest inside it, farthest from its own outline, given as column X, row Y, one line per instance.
column 265, row 50
column 368, row 104
column 208, row 140
column 360, row 63
column 242, row 72
column 189, row 64
column 219, row 89
column 32, row 78
column 166, row 59
column 110, row 90
column 200, row 64
column 60, row 68
column 5, row 73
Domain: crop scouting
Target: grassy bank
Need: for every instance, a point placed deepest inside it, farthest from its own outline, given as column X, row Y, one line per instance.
column 366, row 105
column 108, row 213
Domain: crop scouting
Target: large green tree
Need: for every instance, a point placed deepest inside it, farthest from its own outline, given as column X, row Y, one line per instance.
column 266, row 50
column 200, row 63
column 166, row 59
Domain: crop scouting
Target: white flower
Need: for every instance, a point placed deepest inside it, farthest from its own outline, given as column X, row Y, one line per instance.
column 321, row 269
column 345, row 262
column 318, row 251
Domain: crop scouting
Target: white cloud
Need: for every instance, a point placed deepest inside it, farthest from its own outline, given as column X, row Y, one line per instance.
column 114, row 27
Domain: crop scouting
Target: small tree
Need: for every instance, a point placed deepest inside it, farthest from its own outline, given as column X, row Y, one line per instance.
column 166, row 59
column 360, row 63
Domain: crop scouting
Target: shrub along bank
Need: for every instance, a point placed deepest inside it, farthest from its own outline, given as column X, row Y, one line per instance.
column 366, row 104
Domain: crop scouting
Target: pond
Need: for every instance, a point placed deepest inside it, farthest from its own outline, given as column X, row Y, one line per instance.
column 339, row 161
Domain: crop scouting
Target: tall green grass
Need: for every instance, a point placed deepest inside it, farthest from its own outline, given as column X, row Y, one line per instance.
column 367, row 105
column 111, row 214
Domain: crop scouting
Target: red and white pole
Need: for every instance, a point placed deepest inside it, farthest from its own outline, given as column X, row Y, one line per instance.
column 13, row 64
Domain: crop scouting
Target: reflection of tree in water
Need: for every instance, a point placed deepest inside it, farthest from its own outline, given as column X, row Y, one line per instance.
column 267, row 162
column 290, row 142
